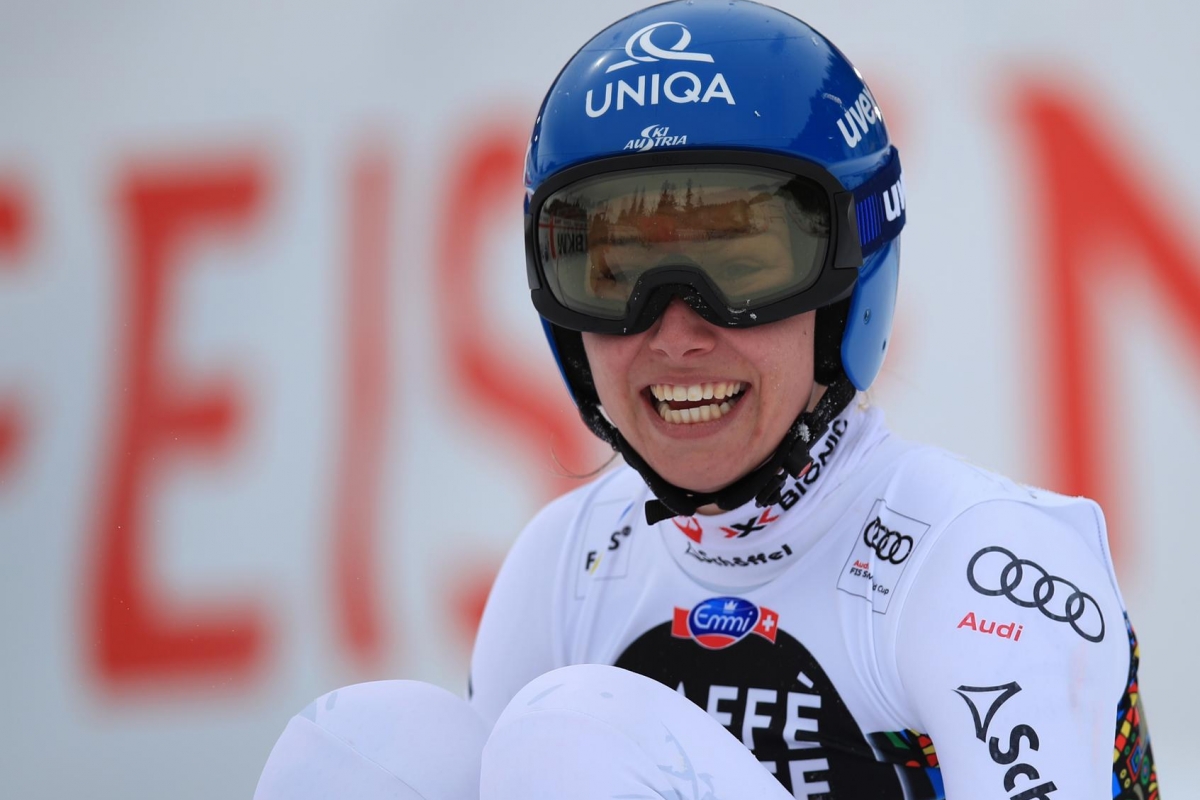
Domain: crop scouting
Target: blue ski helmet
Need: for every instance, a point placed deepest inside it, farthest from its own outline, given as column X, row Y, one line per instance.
column 728, row 84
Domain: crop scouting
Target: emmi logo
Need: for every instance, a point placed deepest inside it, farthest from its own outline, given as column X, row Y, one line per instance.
column 654, row 136
column 893, row 201
column 859, row 119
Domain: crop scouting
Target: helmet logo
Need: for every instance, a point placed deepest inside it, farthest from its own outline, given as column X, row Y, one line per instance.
column 860, row 118
column 894, row 200
column 677, row 87
column 653, row 136
column 642, row 40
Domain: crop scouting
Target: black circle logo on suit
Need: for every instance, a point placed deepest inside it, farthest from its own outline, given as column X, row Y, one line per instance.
column 1075, row 603
column 890, row 545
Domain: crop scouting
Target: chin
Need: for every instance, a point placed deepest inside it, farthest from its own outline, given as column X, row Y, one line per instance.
column 705, row 483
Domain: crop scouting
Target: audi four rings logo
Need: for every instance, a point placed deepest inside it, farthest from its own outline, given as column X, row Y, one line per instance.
column 1057, row 598
column 888, row 544
column 641, row 41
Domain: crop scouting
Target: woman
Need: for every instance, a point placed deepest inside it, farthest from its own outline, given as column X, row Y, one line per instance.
column 713, row 220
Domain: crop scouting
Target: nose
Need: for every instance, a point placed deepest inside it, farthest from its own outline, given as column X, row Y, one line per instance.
column 680, row 332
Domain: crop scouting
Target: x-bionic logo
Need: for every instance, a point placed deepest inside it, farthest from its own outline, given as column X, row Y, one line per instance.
column 756, row 523
column 974, row 696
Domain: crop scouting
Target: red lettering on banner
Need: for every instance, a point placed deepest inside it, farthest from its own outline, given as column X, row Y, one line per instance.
column 368, row 362
column 531, row 406
column 14, row 224
column 14, row 238
column 12, row 436
column 485, row 186
column 138, row 631
column 1090, row 199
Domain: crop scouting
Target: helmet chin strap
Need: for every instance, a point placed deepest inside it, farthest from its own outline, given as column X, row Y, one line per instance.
column 764, row 483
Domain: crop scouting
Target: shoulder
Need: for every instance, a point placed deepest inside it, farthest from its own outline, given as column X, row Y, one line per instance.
column 561, row 521
column 949, row 501
column 1008, row 571
column 966, row 507
column 1006, row 618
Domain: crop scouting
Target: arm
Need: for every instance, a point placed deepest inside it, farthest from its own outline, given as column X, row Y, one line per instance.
column 517, row 638
column 1013, row 651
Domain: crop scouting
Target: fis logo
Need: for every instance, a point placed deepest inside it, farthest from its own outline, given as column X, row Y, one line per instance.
column 720, row 622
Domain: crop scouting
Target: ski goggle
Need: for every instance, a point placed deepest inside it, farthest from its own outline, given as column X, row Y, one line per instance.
column 744, row 238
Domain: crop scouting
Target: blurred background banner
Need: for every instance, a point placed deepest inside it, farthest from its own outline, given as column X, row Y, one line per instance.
column 274, row 403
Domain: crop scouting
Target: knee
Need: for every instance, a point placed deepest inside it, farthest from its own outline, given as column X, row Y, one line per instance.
column 624, row 701
column 390, row 739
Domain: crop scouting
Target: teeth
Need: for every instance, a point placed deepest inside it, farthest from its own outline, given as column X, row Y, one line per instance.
column 696, row 391
column 686, row 416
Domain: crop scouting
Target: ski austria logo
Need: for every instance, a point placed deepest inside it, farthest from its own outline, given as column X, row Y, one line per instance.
column 720, row 622
column 680, row 86
column 880, row 555
column 653, row 136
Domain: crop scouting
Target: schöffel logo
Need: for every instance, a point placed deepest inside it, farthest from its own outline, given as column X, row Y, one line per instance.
column 719, row 622
column 681, row 86
column 984, row 703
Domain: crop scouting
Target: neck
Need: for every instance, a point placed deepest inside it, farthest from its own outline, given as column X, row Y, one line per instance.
column 712, row 509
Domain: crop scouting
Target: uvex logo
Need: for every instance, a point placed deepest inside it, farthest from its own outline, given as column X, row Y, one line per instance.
column 995, row 697
column 893, row 201
column 859, row 119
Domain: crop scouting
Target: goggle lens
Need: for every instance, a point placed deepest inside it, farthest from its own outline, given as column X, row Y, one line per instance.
column 754, row 235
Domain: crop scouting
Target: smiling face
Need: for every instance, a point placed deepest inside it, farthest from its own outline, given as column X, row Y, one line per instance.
column 702, row 404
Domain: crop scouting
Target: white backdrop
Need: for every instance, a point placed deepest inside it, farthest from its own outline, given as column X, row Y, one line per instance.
column 273, row 403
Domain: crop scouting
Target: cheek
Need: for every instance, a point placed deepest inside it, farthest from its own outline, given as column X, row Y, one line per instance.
column 608, row 358
column 787, row 361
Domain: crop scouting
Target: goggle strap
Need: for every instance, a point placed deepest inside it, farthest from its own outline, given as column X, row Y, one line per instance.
column 879, row 206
